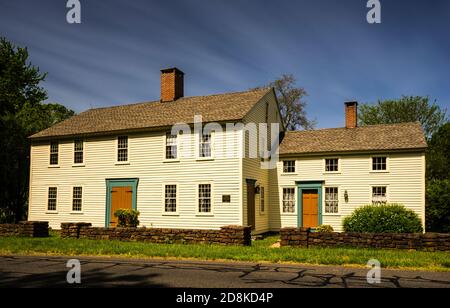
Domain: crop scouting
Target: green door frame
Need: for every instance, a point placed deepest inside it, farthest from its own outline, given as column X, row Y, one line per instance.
column 308, row 185
column 110, row 183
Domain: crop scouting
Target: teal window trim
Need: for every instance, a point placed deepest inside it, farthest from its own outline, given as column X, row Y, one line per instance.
column 308, row 186
column 110, row 183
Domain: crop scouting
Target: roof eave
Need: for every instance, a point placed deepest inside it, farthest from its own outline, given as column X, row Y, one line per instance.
column 118, row 132
column 355, row 152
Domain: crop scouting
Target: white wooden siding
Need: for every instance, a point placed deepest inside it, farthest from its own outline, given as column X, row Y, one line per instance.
column 252, row 166
column 405, row 183
column 146, row 162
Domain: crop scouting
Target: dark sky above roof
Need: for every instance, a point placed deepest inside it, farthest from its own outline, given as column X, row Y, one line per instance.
column 115, row 55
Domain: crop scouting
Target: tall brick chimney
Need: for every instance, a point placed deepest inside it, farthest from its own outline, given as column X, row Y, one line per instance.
column 351, row 114
column 172, row 84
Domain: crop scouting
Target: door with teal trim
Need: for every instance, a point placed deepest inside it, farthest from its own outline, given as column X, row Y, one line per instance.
column 120, row 194
column 309, row 202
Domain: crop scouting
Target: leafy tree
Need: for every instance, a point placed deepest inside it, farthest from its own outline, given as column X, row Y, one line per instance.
column 405, row 109
column 292, row 103
column 438, row 181
column 21, row 114
column 438, row 206
column 19, row 80
column 438, row 154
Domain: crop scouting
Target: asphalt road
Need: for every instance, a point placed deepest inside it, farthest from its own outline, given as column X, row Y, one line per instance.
column 34, row 271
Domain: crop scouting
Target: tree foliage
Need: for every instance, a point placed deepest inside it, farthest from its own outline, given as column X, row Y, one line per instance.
column 292, row 103
column 438, row 206
column 21, row 114
column 438, row 154
column 405, row 109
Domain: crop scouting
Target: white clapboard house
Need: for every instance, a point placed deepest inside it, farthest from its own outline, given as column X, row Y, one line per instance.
column 86, row 167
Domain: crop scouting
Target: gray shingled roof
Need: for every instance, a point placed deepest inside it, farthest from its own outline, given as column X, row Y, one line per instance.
column 213, row 108
column 403, row 136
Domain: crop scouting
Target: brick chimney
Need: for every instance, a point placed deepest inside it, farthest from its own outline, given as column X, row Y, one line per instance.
column 172, row 84
column 351, row 114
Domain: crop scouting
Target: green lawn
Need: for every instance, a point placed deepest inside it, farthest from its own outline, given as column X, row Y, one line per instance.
column 260, row 251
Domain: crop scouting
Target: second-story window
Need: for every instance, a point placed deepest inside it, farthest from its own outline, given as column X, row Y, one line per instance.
column 122, row 149
column 379, row 163
column 288, row 166
column 331, row 165
column 78, row 152
column 205, row 144
column 171, row 146
column 54, row 149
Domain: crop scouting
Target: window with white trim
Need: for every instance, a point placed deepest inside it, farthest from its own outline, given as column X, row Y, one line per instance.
column 77, row 197
column 52, row 197
column 122, row 149
column 288, row 200
column 379, row 195
column 331, row 164
column 54, row 150
column 262, row 200
column 379, row 163
column 204, row 198
column 171, row 146
column 78, row 151
column 205, row 144
column 331, row 200
column 288, row 166
column 170, row 203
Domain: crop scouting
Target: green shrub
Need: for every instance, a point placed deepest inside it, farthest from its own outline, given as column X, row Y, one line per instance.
column 324, row 229
column 127, row 217
column 389, row 218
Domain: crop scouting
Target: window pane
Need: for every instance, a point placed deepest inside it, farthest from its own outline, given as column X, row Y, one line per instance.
column 379, row 163
column 288, row 200
column 171, row 146
column 205, row 145
column 78, row 152
column 170, row 198
column 331, row 165
column 122, row 148
column 78, row 145
column 204, row 198
column 77, row 198
column 331, row 200
column 54, row 148
column 52, row 195
column 288, row 166
column 379, row 195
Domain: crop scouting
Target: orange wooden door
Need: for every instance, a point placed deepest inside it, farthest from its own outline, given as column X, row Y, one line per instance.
column 121, row 198
column 310, row 208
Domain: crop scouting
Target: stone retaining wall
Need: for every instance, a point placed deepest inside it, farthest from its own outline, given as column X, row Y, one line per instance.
column 25, row 228
column 416, row 241
column 228, row 235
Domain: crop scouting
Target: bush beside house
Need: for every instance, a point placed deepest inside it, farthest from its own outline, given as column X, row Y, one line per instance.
column 389, row 218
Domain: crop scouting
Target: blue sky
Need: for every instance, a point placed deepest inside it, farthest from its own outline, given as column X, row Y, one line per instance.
column 114, row 56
